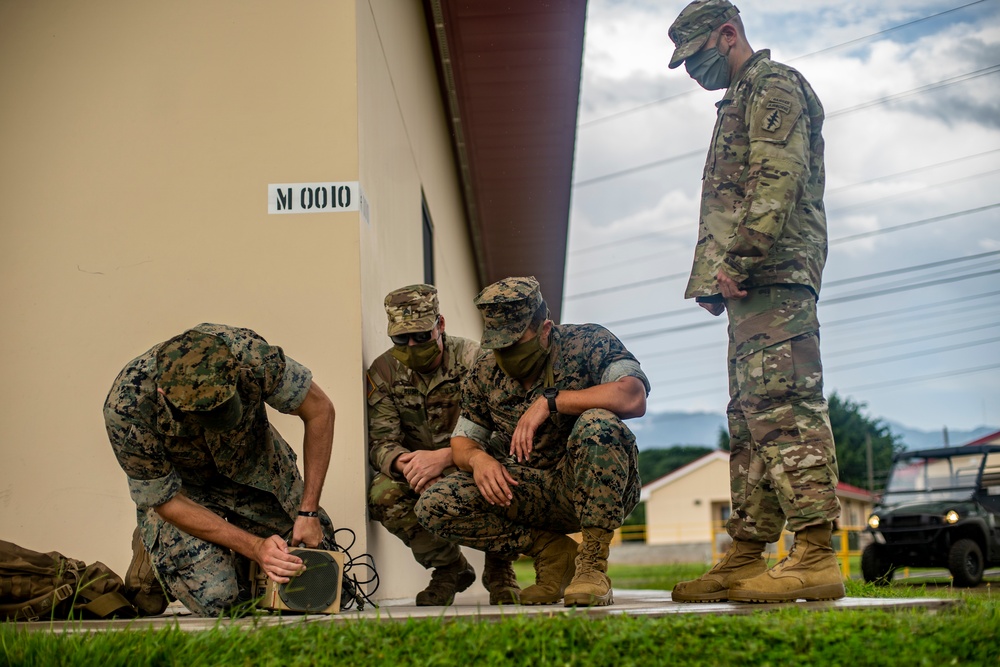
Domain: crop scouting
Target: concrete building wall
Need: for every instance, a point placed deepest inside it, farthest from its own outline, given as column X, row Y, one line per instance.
column 681, row 512
column 138, row 142
column 406, row 154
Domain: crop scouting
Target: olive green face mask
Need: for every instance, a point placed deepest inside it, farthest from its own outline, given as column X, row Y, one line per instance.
column 418, row 357
column 522, row 360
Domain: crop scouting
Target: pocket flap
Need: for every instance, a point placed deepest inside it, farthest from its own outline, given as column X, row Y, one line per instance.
column 773, row 327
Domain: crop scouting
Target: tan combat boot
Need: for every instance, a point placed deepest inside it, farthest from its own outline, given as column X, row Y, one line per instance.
column 500, row 580
column 554, row 556
column 743, row 560
column 445, row 582
column 591, row 586
column 810, row 571
column 142, row 588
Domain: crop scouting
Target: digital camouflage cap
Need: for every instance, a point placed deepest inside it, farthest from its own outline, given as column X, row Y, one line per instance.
column 691, row 29
column 196, row 371
column 507, row 307
column 412, row 309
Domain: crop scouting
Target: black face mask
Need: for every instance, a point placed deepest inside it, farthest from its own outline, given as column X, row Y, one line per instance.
column 709, row 68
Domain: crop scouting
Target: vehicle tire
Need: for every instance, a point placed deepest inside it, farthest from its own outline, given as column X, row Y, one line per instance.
column 965, row 562
column 876, row 567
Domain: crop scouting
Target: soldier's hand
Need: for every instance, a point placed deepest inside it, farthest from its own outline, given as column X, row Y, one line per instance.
column 422, row 467
column 422, row 486
column 714, row 308
column 271, row 553
column 523, row 440
column 493, row 480
column 728, row 286
column 308, row 531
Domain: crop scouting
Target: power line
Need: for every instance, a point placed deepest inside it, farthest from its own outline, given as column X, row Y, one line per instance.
column 908, row 225
column 944, row 83
column 908, row 341
column 917, row 353
column 910, row 172
column 659, row 233
column 842, row 299
column 907, row 288
column 674, row 276
column 920, row 190
column 909, row 269
column 867, row 319
column 637, row 283
column 855, row 41
column 902, row 382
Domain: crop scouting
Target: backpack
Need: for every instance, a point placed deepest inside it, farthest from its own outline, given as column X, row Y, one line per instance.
column 38, row 586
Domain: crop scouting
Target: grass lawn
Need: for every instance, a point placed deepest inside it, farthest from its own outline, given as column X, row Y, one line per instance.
column 967, row 634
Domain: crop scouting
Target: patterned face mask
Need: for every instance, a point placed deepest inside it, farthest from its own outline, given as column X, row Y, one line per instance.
column 523, row 360
column 419, row 357
column 709, row 68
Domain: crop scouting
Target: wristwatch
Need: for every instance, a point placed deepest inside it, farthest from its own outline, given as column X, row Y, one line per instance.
column 550, row 394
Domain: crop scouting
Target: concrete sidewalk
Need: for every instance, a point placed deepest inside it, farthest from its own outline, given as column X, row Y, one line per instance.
column 655, row 604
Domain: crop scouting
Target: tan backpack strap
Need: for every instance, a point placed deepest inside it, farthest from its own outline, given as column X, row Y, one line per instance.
column 37, row 608
column 109, row 604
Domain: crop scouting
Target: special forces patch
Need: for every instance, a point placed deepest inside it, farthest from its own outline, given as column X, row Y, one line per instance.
column 772, row 119
column 774, row 116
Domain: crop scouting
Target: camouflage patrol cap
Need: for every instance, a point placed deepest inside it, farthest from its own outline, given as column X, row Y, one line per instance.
column 507, row 307
column 196, row 371
column 412, row 309
column 691, row 29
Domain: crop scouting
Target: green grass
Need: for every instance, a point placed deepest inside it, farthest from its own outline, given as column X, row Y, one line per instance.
column 964, row 634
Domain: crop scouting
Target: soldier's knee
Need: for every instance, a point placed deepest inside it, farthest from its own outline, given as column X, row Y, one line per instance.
column 601, row 427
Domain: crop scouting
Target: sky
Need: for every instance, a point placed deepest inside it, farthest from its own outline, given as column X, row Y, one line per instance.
column 910, row 305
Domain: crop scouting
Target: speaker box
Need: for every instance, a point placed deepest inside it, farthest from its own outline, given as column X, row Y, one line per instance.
column 316, row 591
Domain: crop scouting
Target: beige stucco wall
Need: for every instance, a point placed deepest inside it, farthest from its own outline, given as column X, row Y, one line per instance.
column 405, row 150
column 138, row 142
column 681, row 512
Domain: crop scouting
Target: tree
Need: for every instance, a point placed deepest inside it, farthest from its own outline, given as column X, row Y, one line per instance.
column 851, row 429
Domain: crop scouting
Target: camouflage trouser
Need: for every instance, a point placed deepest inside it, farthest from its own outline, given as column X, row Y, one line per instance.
column 783, row 463
column 209, row 579
column 594, row 485
column 391, row 504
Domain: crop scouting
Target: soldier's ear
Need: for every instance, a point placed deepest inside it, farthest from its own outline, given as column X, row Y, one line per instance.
column 441, row 323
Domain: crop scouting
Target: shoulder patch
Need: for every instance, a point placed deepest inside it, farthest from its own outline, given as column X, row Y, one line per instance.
column 371, row 384
column 774, row 116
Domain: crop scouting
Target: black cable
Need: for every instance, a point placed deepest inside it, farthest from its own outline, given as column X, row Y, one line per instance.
column 908, row 225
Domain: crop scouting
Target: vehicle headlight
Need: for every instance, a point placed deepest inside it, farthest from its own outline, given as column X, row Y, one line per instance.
column 951, row 516
column 873, row 521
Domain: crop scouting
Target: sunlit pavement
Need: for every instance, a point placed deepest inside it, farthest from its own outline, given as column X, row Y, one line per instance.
column 469, row 605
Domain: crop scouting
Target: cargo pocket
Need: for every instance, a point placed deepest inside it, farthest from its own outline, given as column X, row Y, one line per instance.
column 774, row 350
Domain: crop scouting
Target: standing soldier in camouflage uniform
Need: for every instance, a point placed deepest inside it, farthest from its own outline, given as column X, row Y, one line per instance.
column 214, row 484
column 760, row 255
column 414, row 396
column 557, row 395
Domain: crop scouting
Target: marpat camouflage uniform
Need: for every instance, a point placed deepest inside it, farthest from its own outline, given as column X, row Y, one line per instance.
column 247, row 476
column 763, row 224
column 410, row 411
column 582, row 471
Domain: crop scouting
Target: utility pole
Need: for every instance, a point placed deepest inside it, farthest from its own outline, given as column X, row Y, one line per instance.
column 944, row 431
column 868, row 454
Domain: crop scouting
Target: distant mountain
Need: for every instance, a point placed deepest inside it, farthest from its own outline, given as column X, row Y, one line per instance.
column 658, row 430
column 914, row 438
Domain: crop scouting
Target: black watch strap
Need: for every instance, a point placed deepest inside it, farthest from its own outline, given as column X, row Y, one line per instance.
column 550, row 394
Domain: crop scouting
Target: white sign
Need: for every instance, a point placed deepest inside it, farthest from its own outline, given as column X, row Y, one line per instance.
column 314, row 197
